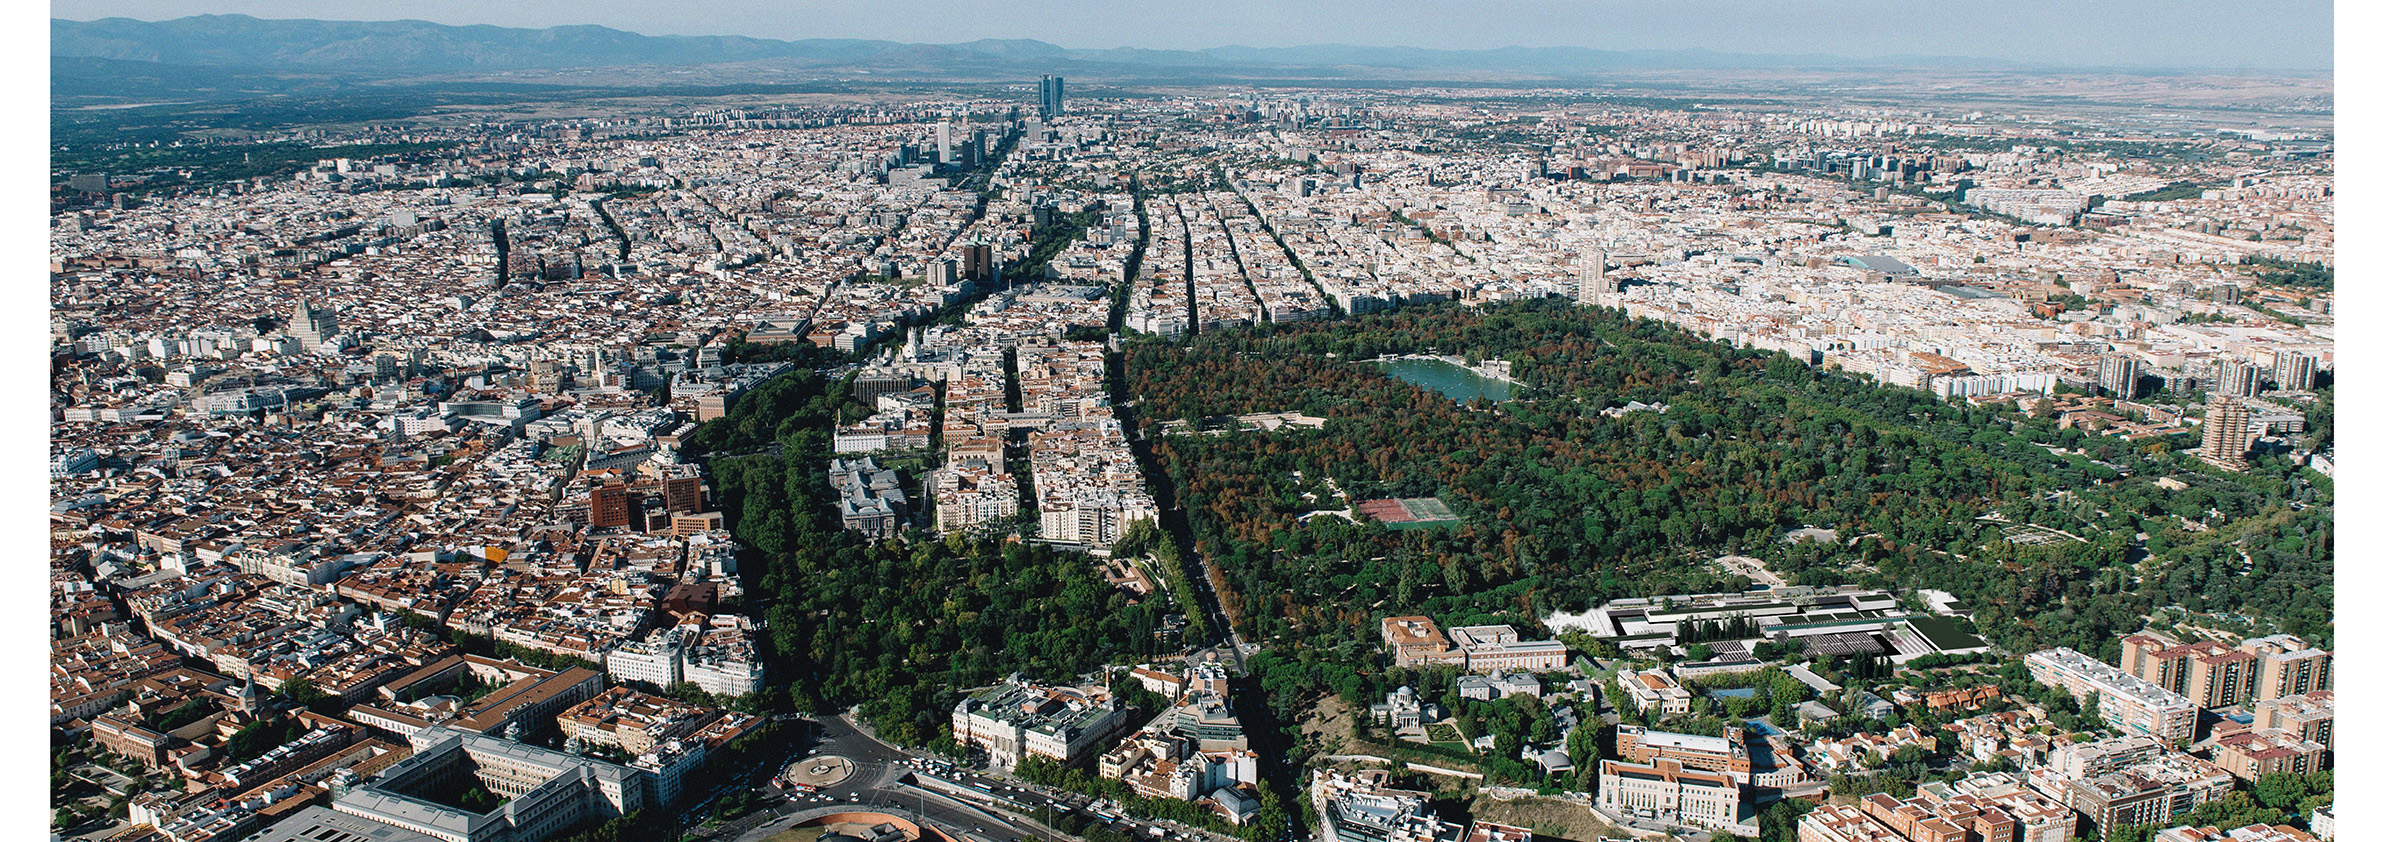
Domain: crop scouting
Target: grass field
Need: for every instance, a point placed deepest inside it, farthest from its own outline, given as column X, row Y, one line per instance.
column 1547, row 817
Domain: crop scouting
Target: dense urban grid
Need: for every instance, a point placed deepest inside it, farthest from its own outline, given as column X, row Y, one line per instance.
column 1427, row 465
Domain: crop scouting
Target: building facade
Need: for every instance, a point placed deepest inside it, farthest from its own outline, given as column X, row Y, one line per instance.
column 1669, row 793
column 2213, row 674
column 2125, row 702
column 1013, row 720
column 2207, row 673
column 2249, row 754
column 546, row 792
column 2118, row 373
column 2309, row 717
column 2226, row 428
column 1418, row 642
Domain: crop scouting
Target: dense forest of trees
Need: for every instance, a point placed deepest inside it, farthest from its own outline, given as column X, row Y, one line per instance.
column 2170, row 193
column 1562, row 506
column 2292, row 273
column 1565, row 507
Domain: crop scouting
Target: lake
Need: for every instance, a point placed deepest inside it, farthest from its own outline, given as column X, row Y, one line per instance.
column 1455, row 381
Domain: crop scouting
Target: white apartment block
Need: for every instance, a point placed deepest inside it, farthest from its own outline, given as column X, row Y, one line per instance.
column 2126, row 702
column 721, row 661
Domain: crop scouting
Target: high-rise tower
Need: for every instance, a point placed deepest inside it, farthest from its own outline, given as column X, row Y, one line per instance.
column 1052, row 94
column 310, row 326
column 2296, row 371
column 2118, row 374
column 2240, row 378
column 2226, row 429
column 1593, row 278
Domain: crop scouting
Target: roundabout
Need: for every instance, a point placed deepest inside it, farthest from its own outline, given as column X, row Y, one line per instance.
column 823, row 771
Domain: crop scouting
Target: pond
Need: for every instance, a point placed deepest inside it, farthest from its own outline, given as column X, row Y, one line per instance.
column 1455, row 381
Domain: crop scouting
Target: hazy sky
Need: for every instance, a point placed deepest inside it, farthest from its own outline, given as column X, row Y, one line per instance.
column 2296, row 34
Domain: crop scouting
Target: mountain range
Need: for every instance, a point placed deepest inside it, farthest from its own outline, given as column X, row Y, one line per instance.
column 415, row 48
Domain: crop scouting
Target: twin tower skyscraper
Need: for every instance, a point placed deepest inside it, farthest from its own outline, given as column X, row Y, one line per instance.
column 1049, row 97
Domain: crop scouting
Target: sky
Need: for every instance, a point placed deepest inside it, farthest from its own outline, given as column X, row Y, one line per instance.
column 2222, row 34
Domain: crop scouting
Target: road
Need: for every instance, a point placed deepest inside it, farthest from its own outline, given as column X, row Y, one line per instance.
column 1204, row 600
column 991, row 806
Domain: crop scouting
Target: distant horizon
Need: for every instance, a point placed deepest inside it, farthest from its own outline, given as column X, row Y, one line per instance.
column 2203, row 35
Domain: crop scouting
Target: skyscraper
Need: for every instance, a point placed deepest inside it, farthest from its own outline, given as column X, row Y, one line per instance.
column 2118, row 375
column 977, row 262
column 1052, row 93
column 943, row 144
column 2239, row 378
column 309, row 326
column 2226, row 428
column 1593, row 278
column 2296, row 371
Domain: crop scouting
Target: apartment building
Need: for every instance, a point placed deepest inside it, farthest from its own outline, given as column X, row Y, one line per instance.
column 1921, row 821
column 2126, row 702
column 632, row 721
column 1842, row 823
column 1360, row 809
column 2213, row 674
column 2207, row 673
column 2250, row 754
column 2289, row 667
column 2151, row 791
column 2260, row 832
column 2036, row 817
column 2309, row 717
